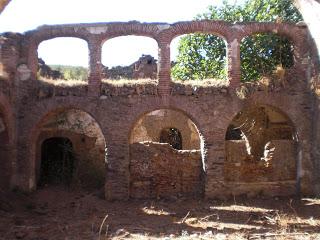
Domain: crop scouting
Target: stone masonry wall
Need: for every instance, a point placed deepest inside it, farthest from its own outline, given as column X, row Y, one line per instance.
column 89, row 170
column 117, row 110
column 158, row 170
column 5, row 169
column 280, row 167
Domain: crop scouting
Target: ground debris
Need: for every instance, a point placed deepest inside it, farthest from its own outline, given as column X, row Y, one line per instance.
column 274, row 235
column 49, row 215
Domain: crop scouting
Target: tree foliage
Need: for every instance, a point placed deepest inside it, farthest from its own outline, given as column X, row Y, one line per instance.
column 72, row 72
column 203, row 56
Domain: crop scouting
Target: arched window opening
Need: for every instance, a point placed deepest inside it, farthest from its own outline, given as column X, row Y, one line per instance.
column 57, row 161
column 129, row 59
column 199, row 59
column 260, row 146
column 160, row 170
column 171, row 136
column 265, row 58
column 63, row 59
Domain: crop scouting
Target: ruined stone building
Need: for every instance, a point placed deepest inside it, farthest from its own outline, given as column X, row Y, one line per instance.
column 163, row 140
column 144, row 67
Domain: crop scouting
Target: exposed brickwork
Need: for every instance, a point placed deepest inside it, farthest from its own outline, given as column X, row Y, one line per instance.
column 151, row 176
column 25, row 103
column 243, row 169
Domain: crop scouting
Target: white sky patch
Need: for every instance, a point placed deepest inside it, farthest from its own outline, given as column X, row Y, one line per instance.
column 127, row 49
column 23, row 15
column 64, row 51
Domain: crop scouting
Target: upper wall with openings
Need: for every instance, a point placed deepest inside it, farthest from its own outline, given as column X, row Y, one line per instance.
column 161, row 34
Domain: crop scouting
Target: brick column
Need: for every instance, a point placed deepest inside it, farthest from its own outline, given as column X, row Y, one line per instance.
column 95, row 67
column 215, row 155
column 31, row 51
column 9, row 55
column 117, row 175
column 164, row 68
column 233, row 54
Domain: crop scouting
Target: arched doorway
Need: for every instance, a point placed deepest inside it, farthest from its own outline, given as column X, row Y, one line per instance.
column 261, row 148
column 75, row 140
column 57, row 161
column 165, row 156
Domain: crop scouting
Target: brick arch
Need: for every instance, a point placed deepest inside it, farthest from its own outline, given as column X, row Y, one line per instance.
column 294, row 33
column 278, row 108
column 47, row 111
column 44, row 34
column 79, row 146
column 183, row 129
column 198, row 164
column 52, row 111
column 292, row 162
column 202, row 136
column 106, row 39
column 144, row 112
column 130, row 29
column 101, row 31
column 290, row 31
column 33, row 44
column 219, row 28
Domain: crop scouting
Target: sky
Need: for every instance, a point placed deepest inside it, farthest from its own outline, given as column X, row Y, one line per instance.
column 24, row 15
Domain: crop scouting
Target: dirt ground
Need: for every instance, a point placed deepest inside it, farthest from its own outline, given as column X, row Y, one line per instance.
column 60, row 213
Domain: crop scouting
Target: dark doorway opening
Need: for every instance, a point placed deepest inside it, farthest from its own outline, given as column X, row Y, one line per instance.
column 171, row 136
column 234, row 133
column 57, row 161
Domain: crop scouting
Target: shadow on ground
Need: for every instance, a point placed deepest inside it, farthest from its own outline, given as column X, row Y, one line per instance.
column 59, row 213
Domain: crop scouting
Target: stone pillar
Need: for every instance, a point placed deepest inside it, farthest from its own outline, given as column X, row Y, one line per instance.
column 164, row 68
column 117, row 175
column 95, row 67
column 214, row 185
column 9, row 54
column 234, row 70
column 33, row 60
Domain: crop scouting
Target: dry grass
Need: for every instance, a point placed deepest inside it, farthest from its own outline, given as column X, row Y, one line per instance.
column 130, row 82
column 134, row 82
column 63, row 82
column 312, row 201
column 74, row 214
column 203, row 82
